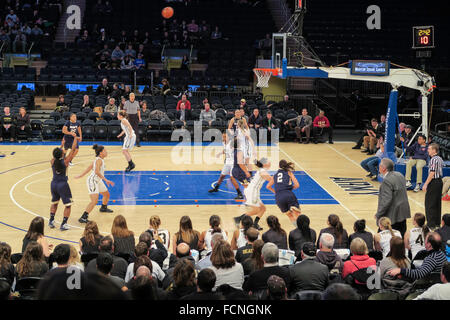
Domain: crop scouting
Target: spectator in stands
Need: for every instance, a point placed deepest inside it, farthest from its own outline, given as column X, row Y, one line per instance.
column 255, row 261
column 439, row 291
column 33, row 262
column 87, row 103
column 206, row 261
column 182, row 251
column 396, row 259
column 127, row 63
column 139, row 63
column 359, row 260
column 105, row 263
column 124, row 242
column 326, row 255
column 142, row 249
column 36, row 233
column 433, row 262
column 185, row 63
column 104, row 88
column 116, row 56
column 116, row 92
column 74, row 259
column 84, row 39
column 105, row 51
column 61, row 254
column 255, row 120
column 392, row 199
column 336, row 229
column 408, row 135
column 156, row 249
column 270, row 123
column 382, row 124
column 359, row 228
column 111, row 106
column 184, row 280
column 103, row 63
column 257, row 281
column 90, row 241
column 192, row 27
column 182, row 113
column 216, row 34
column 165, row 90
column 5, row 40
column 246, row 251
column 119, row 264
column 187, row 235
column 286, row 104
column 36, row 32
column 145, row 112
column 275, row 234
column 370, row 140
column 224, row 265
column 61, row 105
column 303, row 125
column 371, row 164
column 383, row 237
column 21, row 40
column 340, row 291
column 7, row 270
column 187, row 103
column 11, row 15
column 23, row 123
column 130, row 51
column 276, row 288
column 303, row 233
column 322, row 125
column 418, row 159
column 308, row 274
column 206, row 280
column 207, row 114
column 444, row 230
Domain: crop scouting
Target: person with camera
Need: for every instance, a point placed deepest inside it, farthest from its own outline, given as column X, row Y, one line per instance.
column 370, row 140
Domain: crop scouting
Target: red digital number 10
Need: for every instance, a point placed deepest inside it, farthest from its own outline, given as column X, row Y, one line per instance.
column 424, row 40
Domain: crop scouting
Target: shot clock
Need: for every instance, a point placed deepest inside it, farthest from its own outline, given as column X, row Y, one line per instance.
column 423, row 37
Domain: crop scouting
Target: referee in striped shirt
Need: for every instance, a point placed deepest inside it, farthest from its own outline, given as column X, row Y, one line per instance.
column 433, row 187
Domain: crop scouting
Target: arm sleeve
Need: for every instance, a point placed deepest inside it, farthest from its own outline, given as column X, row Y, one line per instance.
column 425, row 269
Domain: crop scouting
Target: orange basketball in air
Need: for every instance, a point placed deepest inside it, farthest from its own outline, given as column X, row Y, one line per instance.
column 167, row 12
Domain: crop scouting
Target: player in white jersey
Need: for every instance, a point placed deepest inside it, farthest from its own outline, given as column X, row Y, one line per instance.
column 95, row 183
column 246, row 144
column 129, row 140
column 163, row 235
column 383, row 238
column 227, row 167
column 252, row 192
column 415, row 238
column 206, row 236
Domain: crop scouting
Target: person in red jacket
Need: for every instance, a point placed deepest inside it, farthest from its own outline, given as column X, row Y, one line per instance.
column 322, row 125
column 187, row 104
column 359, row 259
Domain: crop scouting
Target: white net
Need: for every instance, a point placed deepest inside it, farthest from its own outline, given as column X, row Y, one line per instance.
column 263, row 77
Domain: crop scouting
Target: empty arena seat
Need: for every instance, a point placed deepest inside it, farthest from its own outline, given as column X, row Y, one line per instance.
column 101, row 130
column 114, row 129
column 153, row 129
column 88, row 129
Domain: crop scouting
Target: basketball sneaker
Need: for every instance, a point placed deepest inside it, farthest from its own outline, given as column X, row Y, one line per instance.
column 105, row 209
column 51, row 224
column 408, row 184
column 417, row 188
column 130, row 167
column 257, row 227
column 215, row 189
column 83, row 218
column 239, row 197
column 446, row 198
column 64, row 227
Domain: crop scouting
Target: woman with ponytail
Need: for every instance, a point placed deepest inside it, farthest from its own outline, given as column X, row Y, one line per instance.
column 415, row 238
column 206, row 236
column 303, row 233
column 383, row 238
column 95, row 183
column 275, row 234
column 283, row 183
column 59, row 186
column 252, row 193
column 335, row 228
column 6, row 267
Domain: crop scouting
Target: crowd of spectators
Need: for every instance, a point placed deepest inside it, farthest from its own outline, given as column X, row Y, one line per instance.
column 25, row 21
column 210, row 265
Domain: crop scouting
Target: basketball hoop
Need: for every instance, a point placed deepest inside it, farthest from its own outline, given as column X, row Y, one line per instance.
column 264, row 75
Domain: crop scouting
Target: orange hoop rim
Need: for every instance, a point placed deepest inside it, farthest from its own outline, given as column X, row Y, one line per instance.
column 274, row 72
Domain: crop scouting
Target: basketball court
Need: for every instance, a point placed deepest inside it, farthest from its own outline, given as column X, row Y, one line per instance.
column 331, row 181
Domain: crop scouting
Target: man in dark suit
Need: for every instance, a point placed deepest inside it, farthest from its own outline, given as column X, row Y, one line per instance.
column 270, row 124
column 393, row 199
column 104, row 88
column 303, row 125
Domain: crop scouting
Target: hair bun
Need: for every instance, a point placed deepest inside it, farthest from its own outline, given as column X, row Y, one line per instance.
column 95, row 146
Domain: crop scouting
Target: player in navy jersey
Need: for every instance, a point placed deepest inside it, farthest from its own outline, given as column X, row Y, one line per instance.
column 283, row 182
column 59, row 186
column 240, row 171
column 71, row 130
